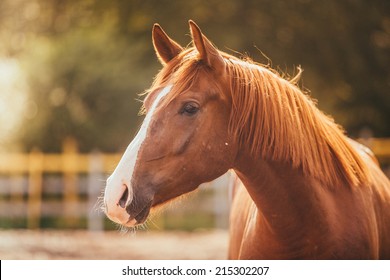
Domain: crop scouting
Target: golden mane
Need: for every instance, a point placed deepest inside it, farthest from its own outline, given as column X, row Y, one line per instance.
column 275, row 119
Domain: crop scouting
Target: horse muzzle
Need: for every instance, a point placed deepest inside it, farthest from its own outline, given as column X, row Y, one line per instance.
column 123, row 207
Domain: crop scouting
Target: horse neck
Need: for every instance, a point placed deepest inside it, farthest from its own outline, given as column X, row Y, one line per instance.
column 284, row 196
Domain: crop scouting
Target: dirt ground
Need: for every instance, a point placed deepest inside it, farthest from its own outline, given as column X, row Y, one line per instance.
column 42, row 245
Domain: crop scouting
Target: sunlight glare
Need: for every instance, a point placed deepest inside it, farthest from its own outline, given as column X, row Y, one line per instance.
column 13, row 88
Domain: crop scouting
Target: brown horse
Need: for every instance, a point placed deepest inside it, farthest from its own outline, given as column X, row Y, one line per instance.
column 307, row 191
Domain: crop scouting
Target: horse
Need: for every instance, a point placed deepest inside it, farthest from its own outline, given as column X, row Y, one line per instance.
column 304, row 190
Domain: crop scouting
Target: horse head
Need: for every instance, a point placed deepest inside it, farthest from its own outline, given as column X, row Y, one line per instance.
column 184, row 140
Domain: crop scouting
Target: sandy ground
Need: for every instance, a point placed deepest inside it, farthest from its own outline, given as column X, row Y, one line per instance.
column 41, row 245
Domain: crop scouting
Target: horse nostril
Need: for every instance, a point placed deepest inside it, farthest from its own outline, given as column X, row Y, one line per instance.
column 123, row 199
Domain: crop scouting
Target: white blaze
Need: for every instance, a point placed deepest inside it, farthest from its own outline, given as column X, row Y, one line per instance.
column 120, row 179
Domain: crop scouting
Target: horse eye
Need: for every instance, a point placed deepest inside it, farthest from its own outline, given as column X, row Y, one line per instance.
column 189, row 109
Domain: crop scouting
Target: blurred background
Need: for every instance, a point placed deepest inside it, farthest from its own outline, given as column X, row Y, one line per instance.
column 70, row 77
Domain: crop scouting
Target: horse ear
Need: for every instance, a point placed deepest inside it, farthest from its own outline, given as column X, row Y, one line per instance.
column 207, row 52
column 166, row 48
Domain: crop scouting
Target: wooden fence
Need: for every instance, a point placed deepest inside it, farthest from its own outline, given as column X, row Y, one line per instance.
column 71, row 166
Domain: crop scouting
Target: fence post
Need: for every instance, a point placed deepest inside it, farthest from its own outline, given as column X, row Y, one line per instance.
column 35, row 165
column 16, row 191
column 95, row 217
column 70, row 163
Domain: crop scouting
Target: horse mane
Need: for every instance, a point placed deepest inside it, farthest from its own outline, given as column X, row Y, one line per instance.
column 278, row 121
column 275, row 119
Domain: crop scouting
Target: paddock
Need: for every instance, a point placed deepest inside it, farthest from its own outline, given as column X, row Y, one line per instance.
column 86, row 245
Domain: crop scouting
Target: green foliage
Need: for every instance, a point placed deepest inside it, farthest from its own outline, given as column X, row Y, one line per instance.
column 88, row 91
column 86, row 61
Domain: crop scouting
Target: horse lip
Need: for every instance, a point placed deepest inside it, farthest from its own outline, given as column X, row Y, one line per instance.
column 143, row 214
